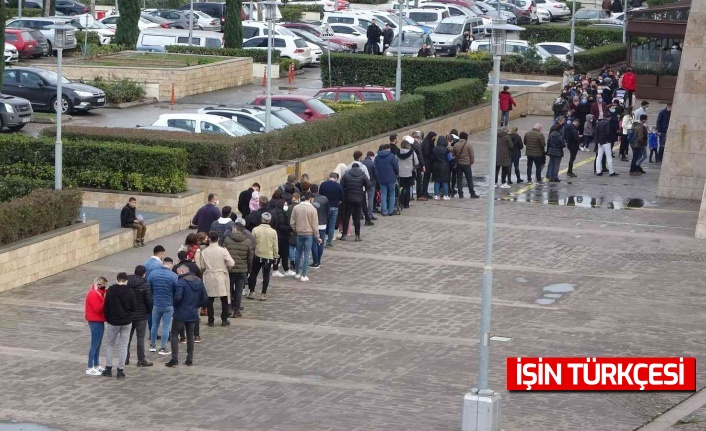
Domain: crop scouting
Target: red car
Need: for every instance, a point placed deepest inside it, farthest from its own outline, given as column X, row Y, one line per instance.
column 316, row 31
column 21, row 39
column 306, row 107
column 368, row 93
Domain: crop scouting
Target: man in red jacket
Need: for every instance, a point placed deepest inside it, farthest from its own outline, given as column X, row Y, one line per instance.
column 506, row 104
column 630, row 85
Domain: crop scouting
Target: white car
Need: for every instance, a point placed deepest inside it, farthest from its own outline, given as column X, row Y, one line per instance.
column 543, row 16
column 428, row 17
column 353, row 32
column 557, row 9
column 556, row 49
column 452, row 9
column 202, row 123
column 316, row 52
column 11, row 54
column 293, row 47
column 112, row 22
column 105, row 34
column 329, row 5
column 207, row 22
column 252, row 119
column 252, row 29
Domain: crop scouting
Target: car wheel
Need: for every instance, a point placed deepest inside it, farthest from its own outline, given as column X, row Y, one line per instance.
column 66, row 107
column 16, row 128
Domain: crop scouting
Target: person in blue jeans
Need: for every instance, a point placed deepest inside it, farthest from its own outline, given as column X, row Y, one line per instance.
column 334, row 193
column 321, row 204
column 163, row 282
column 95, row 316
column 662, row 126
column 305, row 222
column 388, row 168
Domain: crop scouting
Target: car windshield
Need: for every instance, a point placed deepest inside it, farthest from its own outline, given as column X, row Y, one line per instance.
column 310, row 37
column 276, row 122
column 587, row 14
column 408, row 40
column 288, row 116
column 234, row 127
column 50, row 77
column 424, row 16
column 409, row 21
column 448, row 28
column 320, row 107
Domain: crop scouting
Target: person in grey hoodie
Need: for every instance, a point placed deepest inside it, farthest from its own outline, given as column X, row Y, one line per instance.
column 407, row 165
column 223, row 225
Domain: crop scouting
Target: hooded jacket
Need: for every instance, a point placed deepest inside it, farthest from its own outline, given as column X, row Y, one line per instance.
column 441, row 170
column 354, row 183
column 143, row 296
column 572, row 138
column 555, row 144
column 640, row 135
column 119, row 305
column 387, row 166
column 506, row 101
column 127, row 216
column 535, row 143
column 223, row 225
column 190, row 294
column 93, row 310
column 588, row 126
column 408, row 160
column 517, row 145
column 240, row 248
column 322, row 207
column 428, row 148
column 504, row 149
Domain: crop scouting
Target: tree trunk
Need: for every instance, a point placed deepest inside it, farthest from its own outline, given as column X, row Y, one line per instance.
column 233, row 30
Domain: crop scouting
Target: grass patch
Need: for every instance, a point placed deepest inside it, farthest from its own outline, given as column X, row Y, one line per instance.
column 151, row 60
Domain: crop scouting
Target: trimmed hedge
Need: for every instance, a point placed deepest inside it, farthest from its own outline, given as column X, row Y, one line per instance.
column 452, row 96
column 292, row 12
column 586, row 37
column 596, row 58
column 14, row 186
column 357, row 69
column 39, row 212
column 222, row 156
column 258, row 55
column 119, row 90
column 87, row 163
column 344, row 105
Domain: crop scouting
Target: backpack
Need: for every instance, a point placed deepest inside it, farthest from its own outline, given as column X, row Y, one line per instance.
column 631, row 136
column 558, row 105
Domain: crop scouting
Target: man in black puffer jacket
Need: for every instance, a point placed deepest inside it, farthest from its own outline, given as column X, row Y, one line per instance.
column 322, row 210
column 119, row 307
column 143, row 308
column 354, row 184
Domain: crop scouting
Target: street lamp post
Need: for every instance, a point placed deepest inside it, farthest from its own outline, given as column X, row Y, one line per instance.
column 625, row 20
column 191, row 21
column 398, row 75
column 270, row 16
column 573, row 31
column 481, row 406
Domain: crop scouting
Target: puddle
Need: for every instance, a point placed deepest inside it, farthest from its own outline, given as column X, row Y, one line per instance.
column 554, row 292
column 552, row 295
column 25, row 427
column 559, row 288
column 544, row 301
column 553, row 197
column 521, row 280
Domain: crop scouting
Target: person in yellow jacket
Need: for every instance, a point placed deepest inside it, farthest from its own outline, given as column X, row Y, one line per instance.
column 266, row 252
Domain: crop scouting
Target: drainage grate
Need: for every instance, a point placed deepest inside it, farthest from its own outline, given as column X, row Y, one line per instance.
column 666, row 257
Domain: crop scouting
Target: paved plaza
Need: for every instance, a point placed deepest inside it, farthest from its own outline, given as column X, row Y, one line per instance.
column 385, row 335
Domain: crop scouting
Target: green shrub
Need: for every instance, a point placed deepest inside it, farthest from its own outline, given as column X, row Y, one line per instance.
column 119, row 91
column 294, row 12
column 586, row 37
column 31, row 157
column 284, row 65
column 653, row 3
column 39, row 212
column 13, row 186
column 258, row 55
column 451, row 96
column 598, row 57
column 357, row 69
column 93, row 39
column 344, row 105
column 223, row 156
column 569, row 4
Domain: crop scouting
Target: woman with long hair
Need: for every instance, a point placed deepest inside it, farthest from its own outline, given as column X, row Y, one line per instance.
column 427, row 147
column 93, row 312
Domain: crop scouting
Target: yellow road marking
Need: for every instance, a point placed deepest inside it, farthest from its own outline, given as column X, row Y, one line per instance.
column 529, row 187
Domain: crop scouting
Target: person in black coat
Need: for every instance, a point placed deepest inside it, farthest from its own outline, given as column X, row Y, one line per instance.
column 572, row 144
column 143, row 307
column 387, row 36
column 427, row 147
column 244, row 199
column 207, row 214
column 354, row 183
column 128, row 218
column 441, row 169
column 373, row 34
column 516, row 153
column 119, row 307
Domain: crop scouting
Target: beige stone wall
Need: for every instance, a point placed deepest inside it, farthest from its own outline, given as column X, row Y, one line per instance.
column 188, row 80
column 185, row 204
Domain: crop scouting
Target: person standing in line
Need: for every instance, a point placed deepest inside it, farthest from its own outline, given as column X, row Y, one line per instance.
column 643, row 109
column 587, row 133
column 190, row 294
column 280, row 223
column 207, row 214
column 629, row 83
column 296, row 198
column 441, row 170
column 305, row 222
column 638, row 144
column 354, row 184
column 184, row 260
column 143, row 306
column 369, row 164
column 334, row 193
column 119, row 307
column 463, row 152
column 503, row 159
column 572, row 144
column 506, row 104
column 555, row 151
column 452, row 138
column 662, row 127
column 223, row 225
column 266, row 252
column 215, row 264
column 627, row 121
column 516, row 154
column 244, row 199
column 387, row 169
column 95, row 316
column 163, row 282
column 128, row 218
column 322, row 210
column 408, row 163
column 602, row 133
column 419, row 172
column 154, row 262
column 387, row 36
column 535, row 145
column 253, row 219
column 428, row 144
column 241, row 250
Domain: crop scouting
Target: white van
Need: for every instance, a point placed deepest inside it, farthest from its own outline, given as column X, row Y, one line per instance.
column 448, row 35
column 156, row 39
column 428, row 17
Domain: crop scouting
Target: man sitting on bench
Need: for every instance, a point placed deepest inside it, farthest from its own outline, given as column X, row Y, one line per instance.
column 128, row 218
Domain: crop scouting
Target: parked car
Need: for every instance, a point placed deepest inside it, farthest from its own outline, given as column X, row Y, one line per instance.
column 253, row 120
column 104, row 33
column 329, row 5
column 368, row 93
column 556, row 9
column 410, row 45
column 216, row 10
column 207, row 22
column 42, row 43
column 509, row 11
column 543, row 16
column 42, row 24
column 283, row 114
column 39, row 87
column 256, row 28
column 112, row 22
column 323, row 45
column 591, row 15
column 352, row 32
column 31, row 5
column 164, row 129
column 156, row 39
column 409, row 21
column 429, row 17
column 448, row 35
column 303, row 27
column 511, row 46
column 71, row 8
column 161, row 22
column 452, row 9
column 255, row 14
column 529, row 6
column 288, row 46
column 15, row 112
column 556, row 49
column 202, row 123
column 11, row 53
column 22, row 40
column 308, row 108
column 180, row 18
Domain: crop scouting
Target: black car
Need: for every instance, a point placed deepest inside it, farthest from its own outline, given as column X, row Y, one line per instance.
column 71, row 8
column 39, row 87
column 42, row 43
column 15, row 112
column 523, row 16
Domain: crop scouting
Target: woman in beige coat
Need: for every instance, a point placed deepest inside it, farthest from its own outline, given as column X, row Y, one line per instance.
column 215, row 262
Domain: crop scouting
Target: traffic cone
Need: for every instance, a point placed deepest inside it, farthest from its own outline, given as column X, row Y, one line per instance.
column 291, row 73
column 173, row 100
column 264, row 79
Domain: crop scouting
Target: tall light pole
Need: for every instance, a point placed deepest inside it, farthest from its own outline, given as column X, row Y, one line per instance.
column 19, row 9
column 63, row 36
column 191, row 21
column 625, row 20
column 573, row 31
column 481, row 406
column 270, row 16
column 398, row 75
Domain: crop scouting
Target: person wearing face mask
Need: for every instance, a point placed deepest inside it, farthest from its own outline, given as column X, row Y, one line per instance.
column 599, row 109
column 644, row 107
column 614, row 120
column 95, row 316
column 582, row 110
column 207, row 214
column 627, row 126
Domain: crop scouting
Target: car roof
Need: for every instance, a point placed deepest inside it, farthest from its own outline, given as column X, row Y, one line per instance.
column 225, row 108
column 460, row 19
column 287, row 97
column 194, row 116
column 27, row 69
column 356, row 88
column 45, row 18
column 419, row 9
column 179, row 32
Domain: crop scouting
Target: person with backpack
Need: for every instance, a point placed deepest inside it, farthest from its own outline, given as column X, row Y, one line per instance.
column 638, row 141
column 626, row 123
column 555, row 150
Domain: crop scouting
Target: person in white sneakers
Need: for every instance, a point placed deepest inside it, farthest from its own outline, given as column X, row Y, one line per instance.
column 266, row 252
column 305, row 222
column 95, row 316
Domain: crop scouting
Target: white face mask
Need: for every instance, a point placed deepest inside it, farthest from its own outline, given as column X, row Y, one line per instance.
column 646, row 109
column 215, row 203
column 285, row 207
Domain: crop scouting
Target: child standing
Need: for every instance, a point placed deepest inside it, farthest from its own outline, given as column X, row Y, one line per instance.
column 587, row 133
column 653, row 143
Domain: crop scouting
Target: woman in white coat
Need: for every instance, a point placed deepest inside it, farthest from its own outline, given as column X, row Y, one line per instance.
column 215, row 262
